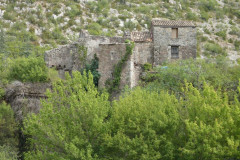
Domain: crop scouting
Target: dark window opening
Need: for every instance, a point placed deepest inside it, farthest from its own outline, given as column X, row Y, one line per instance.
column 174, row 32
column 174, row 52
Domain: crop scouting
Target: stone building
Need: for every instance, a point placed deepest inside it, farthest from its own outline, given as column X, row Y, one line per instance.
column 166, row 41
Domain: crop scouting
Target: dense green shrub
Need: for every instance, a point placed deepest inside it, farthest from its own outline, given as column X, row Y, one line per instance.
column 235, row 31
column 222, row 34
column 208, row 5
column 218, row 73
column 204, row 15
column 77, row 122
column 143, row 125
column 7, row 153
column 93, row 68
column 8, row 127
column 78, row 115
column 213, row 49
column 237, row 44
column 28, row 70
column 147, row 67
column 94, row 29
column 191, row 16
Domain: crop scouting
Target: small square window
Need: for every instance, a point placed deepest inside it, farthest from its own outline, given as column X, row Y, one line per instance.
column 174, row 52
column 174, row 32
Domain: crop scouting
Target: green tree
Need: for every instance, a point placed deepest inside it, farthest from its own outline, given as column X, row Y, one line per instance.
column 28, row 70
column 70, row 122
column 143, row 125
column 8, row 133
column 8, row 126
column 211, row 125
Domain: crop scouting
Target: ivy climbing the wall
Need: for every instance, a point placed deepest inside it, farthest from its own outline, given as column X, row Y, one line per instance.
column 113, row 85
column 93, row 66
column 82, row 50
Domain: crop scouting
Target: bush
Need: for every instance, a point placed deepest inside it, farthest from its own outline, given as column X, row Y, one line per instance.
column 191, row 16
column 94, row 29
column 8, row 126
column 172, row 78
column 237, row 44
column 143, row 125
column 147, row 67
column 75, row 11
column 71, row 121
column 208, row 5
column 77, row 122
column 204, row 16
column 222, row 34
column 8, row 16
column 214, row 49
column 235, row 31
column 7, row 153
column 28, row 70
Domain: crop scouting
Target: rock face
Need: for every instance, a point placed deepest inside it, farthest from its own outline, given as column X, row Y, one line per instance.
column 25, row 97
column 166, row 41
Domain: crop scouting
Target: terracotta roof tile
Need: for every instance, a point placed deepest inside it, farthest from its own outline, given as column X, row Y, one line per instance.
column 141, row 36
column 175, row 23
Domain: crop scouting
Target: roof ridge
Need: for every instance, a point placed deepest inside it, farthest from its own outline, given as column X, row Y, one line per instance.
column 172, row 23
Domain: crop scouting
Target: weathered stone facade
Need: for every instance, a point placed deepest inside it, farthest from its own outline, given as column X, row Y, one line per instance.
column 166, row 41
column 25, row 97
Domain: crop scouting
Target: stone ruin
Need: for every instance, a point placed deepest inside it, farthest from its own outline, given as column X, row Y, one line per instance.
column 166, row 41
column 25, row 97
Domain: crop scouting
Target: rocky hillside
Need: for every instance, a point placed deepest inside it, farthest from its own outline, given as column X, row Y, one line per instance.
column 57, row 22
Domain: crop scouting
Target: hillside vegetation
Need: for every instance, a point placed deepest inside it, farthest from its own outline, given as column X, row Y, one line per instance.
column 57, row 22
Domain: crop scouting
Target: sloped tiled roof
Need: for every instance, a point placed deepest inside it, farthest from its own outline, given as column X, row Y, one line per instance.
column 175, row 23
column 141, row 36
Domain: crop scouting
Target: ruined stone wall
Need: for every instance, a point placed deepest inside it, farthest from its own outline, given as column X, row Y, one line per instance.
column 68, row 57
column 92, row 43
column 143, row 53
column 25, row 97
column 111, row 54
column 162, row 43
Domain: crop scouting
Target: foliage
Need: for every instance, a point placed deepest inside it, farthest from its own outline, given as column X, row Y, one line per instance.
column 82, row 51
column 237, row 44
column 28, row 70
column 204, row 15
column 77, row 122
column 7, row 153
column 222, row 34
column 208, row 5
column 143, row 125
column 191, row 16
column 53, row 75
column 71, row 121
column 235, row 31
column 147, row 67
column 8, row 128
column 114, row 84
column 94, row 29
column 210, row 125
column 214, row 49
column 93, row 68
column 172, row 78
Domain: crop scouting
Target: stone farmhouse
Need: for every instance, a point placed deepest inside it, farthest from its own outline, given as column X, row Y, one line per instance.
column 166, row 41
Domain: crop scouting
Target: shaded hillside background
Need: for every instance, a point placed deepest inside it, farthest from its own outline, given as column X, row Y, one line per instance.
column 57, row 22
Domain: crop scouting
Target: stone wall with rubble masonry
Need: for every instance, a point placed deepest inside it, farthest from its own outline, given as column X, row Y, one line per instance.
column 162, row 43
column 110, row 50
